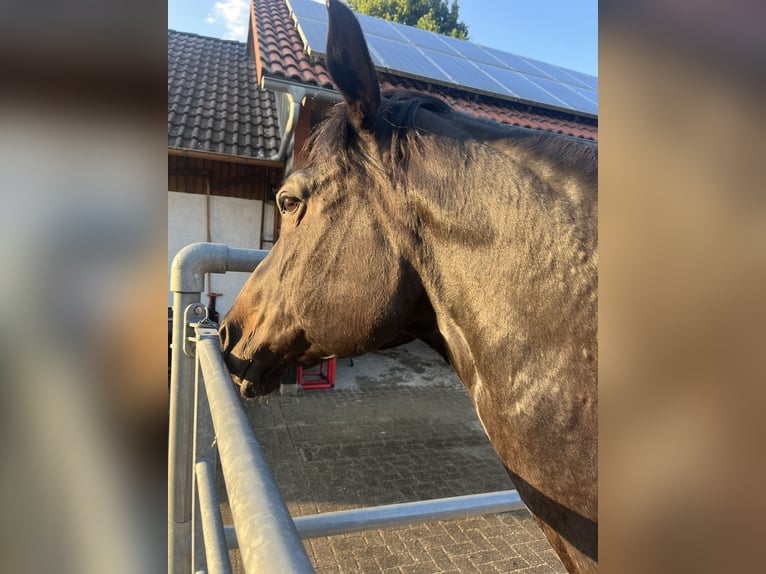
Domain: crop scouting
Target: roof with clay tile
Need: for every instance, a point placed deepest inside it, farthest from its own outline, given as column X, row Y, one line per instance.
column 280, row 54
column 214, row 104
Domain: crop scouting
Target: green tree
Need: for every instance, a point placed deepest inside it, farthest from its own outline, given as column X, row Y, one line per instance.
column 433, row 15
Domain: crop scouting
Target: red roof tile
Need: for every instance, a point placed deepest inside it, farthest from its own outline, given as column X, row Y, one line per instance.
column 282, row 55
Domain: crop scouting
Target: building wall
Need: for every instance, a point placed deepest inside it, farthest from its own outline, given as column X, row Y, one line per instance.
column 233, row 221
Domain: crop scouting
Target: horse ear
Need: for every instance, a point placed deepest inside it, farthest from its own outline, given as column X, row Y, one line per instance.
column 350, row 65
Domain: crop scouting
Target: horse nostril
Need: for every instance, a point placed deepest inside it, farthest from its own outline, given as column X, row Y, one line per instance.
column 223, row 335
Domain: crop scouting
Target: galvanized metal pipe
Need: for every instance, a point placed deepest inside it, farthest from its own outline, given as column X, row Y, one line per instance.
column 180, row 442
column 216, row 552
column 204, row 450
column 187, row 275
column 357, row 520
column 187, row 271
column 270, row 542
column 344, row 521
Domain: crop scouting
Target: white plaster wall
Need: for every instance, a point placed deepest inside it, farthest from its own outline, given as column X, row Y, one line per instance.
column 233, row 221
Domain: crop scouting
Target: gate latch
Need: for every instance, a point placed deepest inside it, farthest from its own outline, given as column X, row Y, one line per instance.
column 195, row 315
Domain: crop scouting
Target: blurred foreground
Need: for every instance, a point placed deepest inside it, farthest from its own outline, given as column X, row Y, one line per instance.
column 682, row 274
column 84, row 376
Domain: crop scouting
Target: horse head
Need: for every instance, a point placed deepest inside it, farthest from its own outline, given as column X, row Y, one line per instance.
column 334, row 284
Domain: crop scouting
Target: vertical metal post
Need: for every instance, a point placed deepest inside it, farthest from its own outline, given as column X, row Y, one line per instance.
column 180, row 441
column 217, row 554
column 205, row 452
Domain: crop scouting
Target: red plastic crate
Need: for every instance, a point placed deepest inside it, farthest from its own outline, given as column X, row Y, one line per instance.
column 319, row 377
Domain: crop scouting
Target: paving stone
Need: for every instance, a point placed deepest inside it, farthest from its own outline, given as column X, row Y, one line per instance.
column 347, row 564
column 511, row 565
column 367, row 564
column 322, row 554
column 394, row 560
column 550, row 557
column 531, row 557
column 484, row 557
column 464, row 565
column 438, row 541
column 440, row 559
column 542, row 569
column 502, row 546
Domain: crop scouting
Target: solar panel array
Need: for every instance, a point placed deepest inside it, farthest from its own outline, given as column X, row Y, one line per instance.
column 419, row 54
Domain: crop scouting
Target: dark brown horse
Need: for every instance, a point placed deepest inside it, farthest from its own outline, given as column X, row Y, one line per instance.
column 412, row 220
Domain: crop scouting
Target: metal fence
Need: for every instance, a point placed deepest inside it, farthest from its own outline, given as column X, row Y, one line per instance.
column 208, row 422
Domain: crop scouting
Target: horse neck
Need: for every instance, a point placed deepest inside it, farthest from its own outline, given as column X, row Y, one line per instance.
column 506, row 256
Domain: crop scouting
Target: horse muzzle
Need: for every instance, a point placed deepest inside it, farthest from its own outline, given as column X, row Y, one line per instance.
column 260, row 383
column 255, row 377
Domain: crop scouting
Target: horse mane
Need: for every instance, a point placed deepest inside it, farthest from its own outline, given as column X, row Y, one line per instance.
column 399, row 119
column 336, row 138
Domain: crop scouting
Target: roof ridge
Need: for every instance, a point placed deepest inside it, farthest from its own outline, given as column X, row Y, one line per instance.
column 195, row 34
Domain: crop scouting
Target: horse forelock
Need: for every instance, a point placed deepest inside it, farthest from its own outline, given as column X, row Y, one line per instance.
column 337, row 141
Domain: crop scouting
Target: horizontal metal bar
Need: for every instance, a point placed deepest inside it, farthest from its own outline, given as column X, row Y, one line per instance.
column 356, row 520
column 344, row 521
column 188, row 268
column 245, row 260
column 270, row 542
column 216, row 553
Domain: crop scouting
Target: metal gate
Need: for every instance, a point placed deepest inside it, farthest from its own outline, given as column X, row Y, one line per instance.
column 208, row 422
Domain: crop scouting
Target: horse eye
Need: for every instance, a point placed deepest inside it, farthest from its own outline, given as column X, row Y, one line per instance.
column 288, row 205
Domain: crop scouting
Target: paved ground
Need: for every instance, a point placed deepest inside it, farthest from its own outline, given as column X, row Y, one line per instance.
column 397, row 427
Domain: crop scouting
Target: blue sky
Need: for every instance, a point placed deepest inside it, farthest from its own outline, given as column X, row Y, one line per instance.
column 561, row 32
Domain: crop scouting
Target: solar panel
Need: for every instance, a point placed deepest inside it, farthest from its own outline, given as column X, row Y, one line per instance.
column 314, row 33
column 569, row 94
column 420, row 38
column 467, row 73
column 419, row 54
column 471, row 51
column 399, row 57
column 308, row 9
column 525, row 88
column 566, row 93
column 590, row 81
column 574, row 80
column 379, row 27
